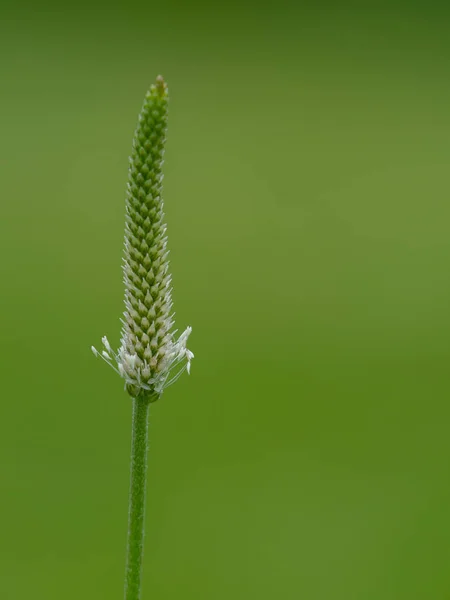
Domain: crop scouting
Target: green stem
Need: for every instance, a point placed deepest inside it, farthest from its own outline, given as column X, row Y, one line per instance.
column 136, row 511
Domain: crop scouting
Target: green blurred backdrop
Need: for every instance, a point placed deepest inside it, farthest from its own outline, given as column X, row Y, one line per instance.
column 307, row 196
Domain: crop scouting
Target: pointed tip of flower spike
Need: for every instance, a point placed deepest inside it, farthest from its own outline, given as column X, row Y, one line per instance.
column 94, row 351
column 161, row 85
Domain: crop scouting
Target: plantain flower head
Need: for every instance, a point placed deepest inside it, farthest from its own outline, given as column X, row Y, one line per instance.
column 150, row 356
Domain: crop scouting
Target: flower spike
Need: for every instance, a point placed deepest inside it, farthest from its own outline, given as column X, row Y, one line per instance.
column 150, row 357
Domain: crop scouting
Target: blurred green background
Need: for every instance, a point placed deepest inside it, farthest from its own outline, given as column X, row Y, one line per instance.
column 307, row 196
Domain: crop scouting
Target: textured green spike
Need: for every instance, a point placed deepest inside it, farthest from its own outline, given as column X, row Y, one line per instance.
column 148, row 352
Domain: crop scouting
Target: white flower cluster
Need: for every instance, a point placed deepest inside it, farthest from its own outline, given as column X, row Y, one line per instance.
column 137, row 372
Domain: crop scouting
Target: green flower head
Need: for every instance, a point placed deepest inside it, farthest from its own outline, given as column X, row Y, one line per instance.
column 150, row 356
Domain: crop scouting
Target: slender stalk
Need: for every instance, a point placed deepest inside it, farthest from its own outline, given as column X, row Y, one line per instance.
column 138, row 484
